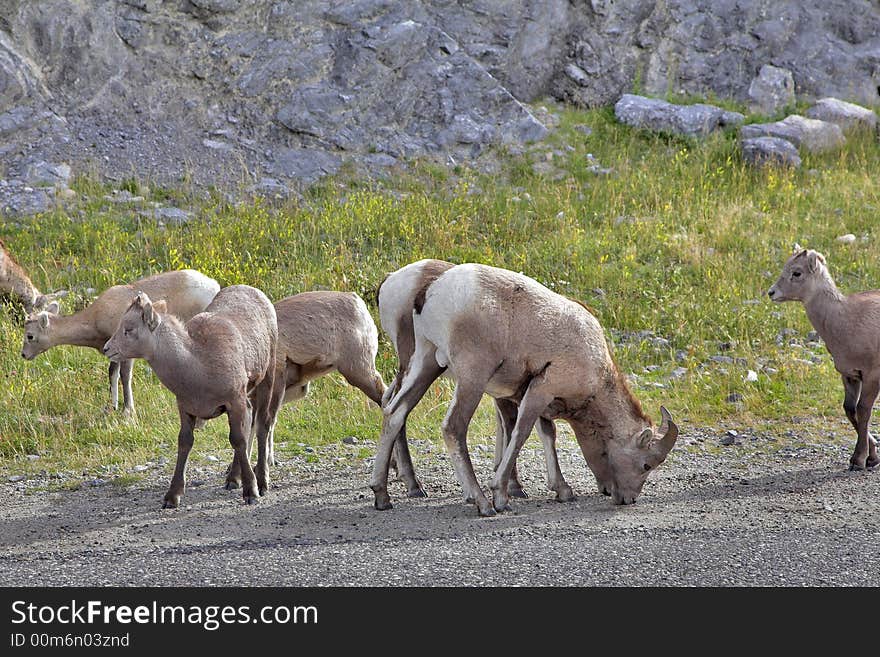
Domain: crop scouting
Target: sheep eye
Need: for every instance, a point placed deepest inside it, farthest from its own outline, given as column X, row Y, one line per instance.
column 795, row 274
column 30, row 337
column 126, row 332
column 647, row 467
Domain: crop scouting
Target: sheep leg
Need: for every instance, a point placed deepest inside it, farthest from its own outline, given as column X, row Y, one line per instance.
column 113, row 375
column 239, row 414
column 864, row 443
column 533, row 403
column 413, row 387
column 555, row 481
column 464, row 403
column 852, row 387
column 184, row 445
column 505, row 418
column 264, row 419
column 125, row 370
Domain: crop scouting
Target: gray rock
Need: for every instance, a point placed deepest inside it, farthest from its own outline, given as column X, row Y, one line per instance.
column 16, row 478
column 772, row 90
column 769, row 150
column 810, row 134
column 849, row 116
column 26, row 202
column 170, row 215
column 661, row 116
column 44, row 174
column 350, row 440
column 270, row 187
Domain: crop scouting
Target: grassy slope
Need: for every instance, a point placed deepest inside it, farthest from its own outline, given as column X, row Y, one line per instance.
column 681, row 237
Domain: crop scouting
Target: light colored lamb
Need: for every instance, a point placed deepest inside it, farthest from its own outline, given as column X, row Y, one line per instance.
column 850, row 327
column 220, row 361
column 396, row 298
column 322, row 332
column 186, row 292
column 503, row 333
column 14, row 281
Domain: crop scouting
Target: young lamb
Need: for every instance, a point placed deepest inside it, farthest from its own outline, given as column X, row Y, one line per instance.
column 220, row 361
column 15, row 281
column 186, row 292
column 500, row 332
column 396, row 298
column 850, row 327
column 321, row 332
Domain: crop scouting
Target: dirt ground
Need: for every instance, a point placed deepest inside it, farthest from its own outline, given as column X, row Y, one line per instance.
column 765, row 512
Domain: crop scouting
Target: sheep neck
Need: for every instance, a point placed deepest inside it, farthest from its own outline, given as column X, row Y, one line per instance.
column 77, row 330
column 612, row 413
column 171, row 356
column 825, row 308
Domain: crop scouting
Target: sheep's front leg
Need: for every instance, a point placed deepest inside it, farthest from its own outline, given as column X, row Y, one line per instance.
column 113, row 376
column 239, row 413
column 505, row 419
column 125, row 370
column 865, row 447
column 530, row 408
column 555, row 481
column 184, row 445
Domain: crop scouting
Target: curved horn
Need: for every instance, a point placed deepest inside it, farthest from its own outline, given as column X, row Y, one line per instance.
column 668, row 431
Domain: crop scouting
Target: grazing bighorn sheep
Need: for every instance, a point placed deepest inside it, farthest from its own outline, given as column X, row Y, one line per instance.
column 321, row 332
column 220, row 361
column 15, row 281
column 850, row 327
column 396, row 298
column 500, row 332
column 186, row 292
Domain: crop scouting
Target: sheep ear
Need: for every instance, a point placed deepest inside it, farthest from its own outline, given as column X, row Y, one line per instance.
column 44, row 320
column 813, row 260
column 160, row 306
column 40, row 301
column 151, row 317
column 797, row 248
column 53, row 308
column 645, row 438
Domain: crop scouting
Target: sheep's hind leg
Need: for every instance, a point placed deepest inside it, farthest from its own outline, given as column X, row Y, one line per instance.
column 239, row 431
column 865, row 446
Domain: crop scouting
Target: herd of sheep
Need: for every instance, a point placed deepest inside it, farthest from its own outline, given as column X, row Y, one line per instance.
column 540, row 356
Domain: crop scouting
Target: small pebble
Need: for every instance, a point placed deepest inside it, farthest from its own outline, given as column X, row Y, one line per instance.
column 16, row 478
column 350, row 440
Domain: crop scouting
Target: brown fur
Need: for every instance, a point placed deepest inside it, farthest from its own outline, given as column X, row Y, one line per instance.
column 15, row 281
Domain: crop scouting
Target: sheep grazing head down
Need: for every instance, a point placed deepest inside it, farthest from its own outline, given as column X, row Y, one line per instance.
column 803, row 273
column 631, row 460
column 133, row 336
column 36, row 331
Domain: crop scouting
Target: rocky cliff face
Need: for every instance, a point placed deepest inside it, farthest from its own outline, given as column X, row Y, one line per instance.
column 243, row 89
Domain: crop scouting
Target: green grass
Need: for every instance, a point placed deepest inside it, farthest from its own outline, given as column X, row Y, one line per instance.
column 683, row 238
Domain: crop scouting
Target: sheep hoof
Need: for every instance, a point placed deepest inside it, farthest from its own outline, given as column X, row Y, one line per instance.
column 382, row 505
column 170, row 503
column 517, row 492
column 487, row 513
column 251, row 499
column 565, row 495
column 232, row 484
column 871, row 464
column 416, row 492
column 855, row 467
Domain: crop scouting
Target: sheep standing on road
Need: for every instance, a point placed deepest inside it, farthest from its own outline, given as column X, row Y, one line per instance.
column 186, row 293
column 496, row 331
column 220, row 361
column 850, row 327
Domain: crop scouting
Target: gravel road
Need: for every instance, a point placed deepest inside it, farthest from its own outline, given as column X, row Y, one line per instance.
column 769, row 511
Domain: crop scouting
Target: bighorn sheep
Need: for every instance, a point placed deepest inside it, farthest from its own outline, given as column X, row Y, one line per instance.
column 396, row 298
column 850, row 327
column 321, row 332
column 220, row 361
column 500, row 332
column 186, row 292
column 15, row 281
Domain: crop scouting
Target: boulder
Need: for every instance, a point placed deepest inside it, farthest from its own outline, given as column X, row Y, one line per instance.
column 769, row 150
column 849, row 116
column 812, row 135
column 772, row 90
column 660, row 116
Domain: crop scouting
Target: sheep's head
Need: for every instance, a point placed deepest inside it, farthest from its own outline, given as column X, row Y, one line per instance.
column 631, row 460
column 38, row 331
column 802, row 274
column 134, row 334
